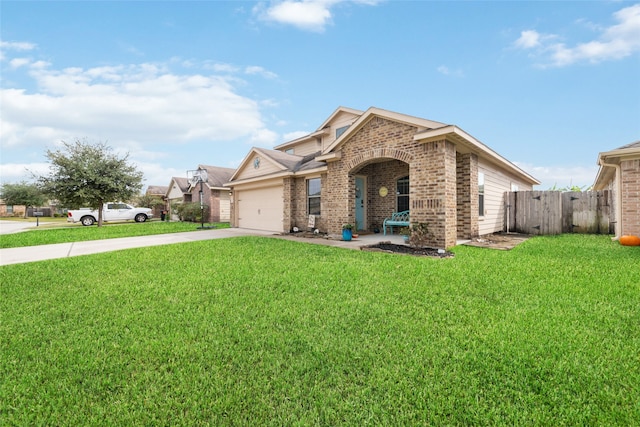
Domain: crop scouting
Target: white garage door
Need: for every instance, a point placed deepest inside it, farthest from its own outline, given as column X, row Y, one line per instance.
column 261, row 209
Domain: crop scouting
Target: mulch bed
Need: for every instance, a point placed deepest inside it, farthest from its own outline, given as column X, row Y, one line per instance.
column 407, row 250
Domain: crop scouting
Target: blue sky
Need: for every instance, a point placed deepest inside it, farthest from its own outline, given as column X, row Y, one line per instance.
column 175, row 84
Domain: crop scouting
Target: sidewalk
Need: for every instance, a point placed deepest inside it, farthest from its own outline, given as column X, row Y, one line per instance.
column 65, row 250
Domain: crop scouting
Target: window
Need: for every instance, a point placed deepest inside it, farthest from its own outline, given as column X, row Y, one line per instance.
column 9, row 209
column 341, row 130
column 313, row 196
column 514, row 187
column 402, row 193
column 289, row 150
column 480, row 194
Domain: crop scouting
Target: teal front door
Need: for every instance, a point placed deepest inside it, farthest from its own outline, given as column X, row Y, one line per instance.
column 361, row 202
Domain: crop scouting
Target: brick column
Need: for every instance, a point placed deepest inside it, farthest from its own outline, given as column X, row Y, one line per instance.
column 467, row 197
column 288, row 214
column 630, row 197
column 336, row 202
column 432, row 191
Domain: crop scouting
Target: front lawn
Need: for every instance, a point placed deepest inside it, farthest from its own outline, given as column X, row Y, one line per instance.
column 111, row 230
column 263, row 331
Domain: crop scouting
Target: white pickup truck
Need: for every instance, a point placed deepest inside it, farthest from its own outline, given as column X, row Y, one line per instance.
column 110, row 212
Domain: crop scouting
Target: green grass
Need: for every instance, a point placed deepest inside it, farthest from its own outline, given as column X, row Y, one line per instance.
column 79, row 233
column 261, row 331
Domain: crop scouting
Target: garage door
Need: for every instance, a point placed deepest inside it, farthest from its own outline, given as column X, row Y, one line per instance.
column 261, row 209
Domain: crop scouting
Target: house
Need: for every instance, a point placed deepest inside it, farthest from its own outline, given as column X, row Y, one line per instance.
column 620, row 172
column 359, row 167
column 177, row 192
column 11, row 210
column 215, row 194
column 159, row 192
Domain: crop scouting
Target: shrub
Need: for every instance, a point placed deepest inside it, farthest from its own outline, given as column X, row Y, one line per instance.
column 191, row 212
column 419, row 235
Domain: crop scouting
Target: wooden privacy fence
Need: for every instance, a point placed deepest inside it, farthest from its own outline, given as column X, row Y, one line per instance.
column 555, row 212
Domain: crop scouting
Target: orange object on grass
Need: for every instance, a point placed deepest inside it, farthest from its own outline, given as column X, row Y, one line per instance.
column 630, row 241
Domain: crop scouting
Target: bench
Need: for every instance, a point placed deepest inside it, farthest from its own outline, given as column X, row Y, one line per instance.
column 398, row 219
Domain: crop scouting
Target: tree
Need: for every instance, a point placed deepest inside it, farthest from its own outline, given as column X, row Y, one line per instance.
column 149, row 201
column 89, row 175
column 22, row 193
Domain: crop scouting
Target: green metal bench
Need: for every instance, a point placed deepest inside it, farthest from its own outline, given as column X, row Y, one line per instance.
column 398, row 219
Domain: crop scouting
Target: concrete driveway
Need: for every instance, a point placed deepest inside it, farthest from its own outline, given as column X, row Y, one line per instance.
column 64, row 250
column 8, row 227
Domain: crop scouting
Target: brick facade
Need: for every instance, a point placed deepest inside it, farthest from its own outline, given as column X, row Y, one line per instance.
column 383, row 151
column 211, row 201
column 467, row 195
column 630, row 170
column 380, row 147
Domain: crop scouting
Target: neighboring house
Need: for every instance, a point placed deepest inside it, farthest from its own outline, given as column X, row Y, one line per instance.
column 177, row 192
column 620, row 172
column 361, row 166
column 215, row 194
column 160, row 192
column 11, row 210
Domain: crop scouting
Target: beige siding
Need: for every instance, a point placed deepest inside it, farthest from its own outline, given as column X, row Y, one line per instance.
column 342, row 119
column 225, row 207
column 496, row 183
column 250, row 171
column 306, row 147
column 174, row 192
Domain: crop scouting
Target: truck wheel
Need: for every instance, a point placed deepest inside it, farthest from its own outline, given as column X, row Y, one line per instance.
column 87, row 220
column 140, row 218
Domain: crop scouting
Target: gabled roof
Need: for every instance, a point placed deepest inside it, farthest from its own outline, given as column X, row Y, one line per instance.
column 285, row 164
column 217, row 176
column 467, row 143
column 338, row 111
column 609, row 159
column 157, row 189
column 181, row 182
column 421, row 124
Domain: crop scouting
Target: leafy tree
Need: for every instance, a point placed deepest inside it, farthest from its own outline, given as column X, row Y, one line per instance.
column 83, row 174
column 22, row 193
column 149, row 201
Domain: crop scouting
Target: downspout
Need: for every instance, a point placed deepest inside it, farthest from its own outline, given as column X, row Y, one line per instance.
column 618, row 198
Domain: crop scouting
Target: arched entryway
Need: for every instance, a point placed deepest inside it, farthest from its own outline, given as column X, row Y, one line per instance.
column 379, row 187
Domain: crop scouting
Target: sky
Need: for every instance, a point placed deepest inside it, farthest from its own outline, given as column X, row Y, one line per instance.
column 175, row 84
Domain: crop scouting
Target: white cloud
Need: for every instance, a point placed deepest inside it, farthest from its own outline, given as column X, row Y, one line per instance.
column 14, row 46
column 561, row 176
column 615, row 42
column 147, row 110
column 290, row 136
column 20, row 46
column 528, row 39
column 444, row 70
column 310, row 15
column 306, row 15
column 144, row 102
column 260, row 71
column 16, row 172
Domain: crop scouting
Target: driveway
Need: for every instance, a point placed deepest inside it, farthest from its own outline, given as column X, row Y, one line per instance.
column 8, row 227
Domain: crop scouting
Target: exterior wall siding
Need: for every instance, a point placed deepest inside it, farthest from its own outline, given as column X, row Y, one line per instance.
column 266, row 167
column 496, row 184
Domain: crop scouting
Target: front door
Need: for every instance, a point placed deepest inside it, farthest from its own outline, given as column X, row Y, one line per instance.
column 361, row 202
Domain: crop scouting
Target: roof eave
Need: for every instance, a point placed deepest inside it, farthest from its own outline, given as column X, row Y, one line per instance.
column 231, row 184
column 458, row 135
column 297, row 141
